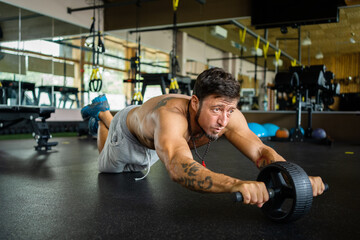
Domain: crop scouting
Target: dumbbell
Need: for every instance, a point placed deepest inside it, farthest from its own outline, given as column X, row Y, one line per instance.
column 290, row 191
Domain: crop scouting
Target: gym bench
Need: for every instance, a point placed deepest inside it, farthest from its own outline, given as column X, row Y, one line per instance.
column 11, row 115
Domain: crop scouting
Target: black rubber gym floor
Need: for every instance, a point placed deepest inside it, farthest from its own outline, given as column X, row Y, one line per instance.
column 61, row 195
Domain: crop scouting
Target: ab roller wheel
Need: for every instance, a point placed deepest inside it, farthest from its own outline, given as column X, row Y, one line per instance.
column 290, row 191
column 293, row 191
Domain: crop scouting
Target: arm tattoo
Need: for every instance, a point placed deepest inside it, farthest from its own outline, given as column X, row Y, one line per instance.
column 205, row 184
column 192, row 183
column 190, row 169
column 162, row 102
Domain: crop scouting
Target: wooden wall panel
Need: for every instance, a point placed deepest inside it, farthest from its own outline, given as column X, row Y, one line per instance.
column 10, row 64
column 344, row 66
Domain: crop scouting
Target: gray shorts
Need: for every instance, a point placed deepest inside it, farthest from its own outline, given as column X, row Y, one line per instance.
column 122, row 152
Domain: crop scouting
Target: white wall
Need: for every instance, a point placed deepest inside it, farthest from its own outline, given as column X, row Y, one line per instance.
column 58, row 10
column 248, row 68
column 199, row 51
column 161, row 40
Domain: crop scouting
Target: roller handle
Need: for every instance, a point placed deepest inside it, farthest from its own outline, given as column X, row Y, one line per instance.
column 239, row 196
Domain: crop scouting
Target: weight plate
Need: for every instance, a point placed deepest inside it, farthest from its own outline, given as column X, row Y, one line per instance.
column 293, row 191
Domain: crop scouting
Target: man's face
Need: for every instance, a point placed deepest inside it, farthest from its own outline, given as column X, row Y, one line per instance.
column 214, row 114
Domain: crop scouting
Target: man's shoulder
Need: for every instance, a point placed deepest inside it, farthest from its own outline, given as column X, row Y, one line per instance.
column 171, row 112
column 169, row 102
column 171, row 117
column 171, row 109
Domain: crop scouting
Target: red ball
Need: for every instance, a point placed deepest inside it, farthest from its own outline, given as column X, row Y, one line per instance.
column 282, row 133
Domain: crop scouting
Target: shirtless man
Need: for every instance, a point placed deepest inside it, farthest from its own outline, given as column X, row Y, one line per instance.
column 168, row 126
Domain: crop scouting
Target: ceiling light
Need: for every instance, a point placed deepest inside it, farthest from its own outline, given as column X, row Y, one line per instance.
column 306, row 41
column 319, row 55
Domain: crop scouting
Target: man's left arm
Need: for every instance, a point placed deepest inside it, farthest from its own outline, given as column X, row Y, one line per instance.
column 239, row 134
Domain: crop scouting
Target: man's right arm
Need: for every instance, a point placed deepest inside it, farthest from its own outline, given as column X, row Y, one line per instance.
column 170, row 143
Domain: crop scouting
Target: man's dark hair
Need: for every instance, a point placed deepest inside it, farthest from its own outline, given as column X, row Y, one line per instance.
column 218, row 82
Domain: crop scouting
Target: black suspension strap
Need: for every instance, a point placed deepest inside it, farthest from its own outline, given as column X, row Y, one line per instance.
column 135, row 64
column 174, row 86
column 95, row 83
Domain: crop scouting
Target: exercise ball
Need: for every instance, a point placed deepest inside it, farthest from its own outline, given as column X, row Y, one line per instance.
column 282, row 133
column 292, row 130
column 258, row 129
column 271, row 129
column 318, row 133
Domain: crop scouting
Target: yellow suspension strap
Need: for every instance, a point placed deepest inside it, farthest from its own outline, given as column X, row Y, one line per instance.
column 137, row 98
column 174, row 86
column 175, row 4
column 135, row 66
column 242, row 34
column 257, row 43
column 95, row 83
column 293, row 63
column 277, row 55
column 266, row 48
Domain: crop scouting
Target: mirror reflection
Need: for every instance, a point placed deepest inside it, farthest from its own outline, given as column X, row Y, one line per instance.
column 49, row 62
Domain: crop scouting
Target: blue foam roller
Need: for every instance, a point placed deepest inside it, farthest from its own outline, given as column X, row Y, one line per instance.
column 271, row 129
column 258, row 129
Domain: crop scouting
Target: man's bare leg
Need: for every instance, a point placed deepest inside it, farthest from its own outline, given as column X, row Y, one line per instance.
column 103, row 130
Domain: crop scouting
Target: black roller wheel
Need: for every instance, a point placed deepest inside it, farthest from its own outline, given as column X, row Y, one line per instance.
column 293, row 191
